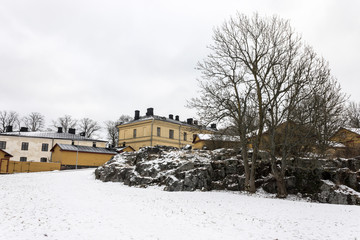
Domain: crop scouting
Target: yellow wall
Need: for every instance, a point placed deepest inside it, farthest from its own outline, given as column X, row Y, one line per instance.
column 83, row 158
column 4, row 161
column 346, row 137
column 17, row 167
column 146, row 134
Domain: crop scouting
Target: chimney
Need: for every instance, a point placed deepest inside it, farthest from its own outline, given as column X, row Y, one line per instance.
column 59, row 130
column 177, row 118
column 189, row 121
column 9, row 129
column 72, row 130
column 24, row 129
column 137, row 115
column 150, row 112
column 213, row 126
column 196, row 122
column 171, row 116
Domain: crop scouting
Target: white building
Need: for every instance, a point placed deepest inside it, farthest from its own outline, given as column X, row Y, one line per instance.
column 36, row 146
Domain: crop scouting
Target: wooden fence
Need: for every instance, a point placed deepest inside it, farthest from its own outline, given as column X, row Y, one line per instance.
column 7, row 166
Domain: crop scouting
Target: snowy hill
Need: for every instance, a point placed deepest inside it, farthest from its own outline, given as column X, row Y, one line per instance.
column 73, row 205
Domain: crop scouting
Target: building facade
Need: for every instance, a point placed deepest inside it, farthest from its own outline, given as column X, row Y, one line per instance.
column 152, row 130
column 35, row 146
column 74, row 155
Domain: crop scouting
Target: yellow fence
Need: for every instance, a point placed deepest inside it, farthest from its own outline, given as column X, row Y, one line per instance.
column 17, row 167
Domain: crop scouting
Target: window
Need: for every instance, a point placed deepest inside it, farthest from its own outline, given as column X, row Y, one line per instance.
column 158, row 132
column 185, row 136
column 23, row 159
column 134, row 133
column 171, row 134
column 44, row 147
column 25, row 146
column 43, row 159
column 2, row 145
column 94, row 144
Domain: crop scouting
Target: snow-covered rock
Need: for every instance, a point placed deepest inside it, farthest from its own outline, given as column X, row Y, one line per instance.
column 222, row 169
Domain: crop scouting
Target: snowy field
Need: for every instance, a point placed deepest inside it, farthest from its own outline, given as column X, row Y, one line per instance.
column 72, row 205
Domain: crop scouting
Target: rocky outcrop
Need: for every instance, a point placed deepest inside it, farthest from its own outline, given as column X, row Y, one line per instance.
column 330, row 181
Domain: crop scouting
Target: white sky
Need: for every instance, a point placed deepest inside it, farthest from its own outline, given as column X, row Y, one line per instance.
column 102, row 59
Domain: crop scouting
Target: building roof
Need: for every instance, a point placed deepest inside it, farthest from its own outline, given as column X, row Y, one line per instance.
column 354, row 130
column 216, row 137
column 165, row 119
column 6, row 153
column 120, row 149
column 51, row 135
column 78, row 148
column 336, row 144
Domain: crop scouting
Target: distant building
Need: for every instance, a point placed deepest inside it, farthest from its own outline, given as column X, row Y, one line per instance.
column 72, row 155
column 215, row 141
column 347, row 142
column 152, row 130
column 350, row 137
column 35, row 146
column 4, row 161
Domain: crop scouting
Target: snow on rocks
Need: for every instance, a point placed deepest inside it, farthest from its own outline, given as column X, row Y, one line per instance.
column 222, row 169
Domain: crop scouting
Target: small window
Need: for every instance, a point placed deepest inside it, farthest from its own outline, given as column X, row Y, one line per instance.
column 44, row 147
column 134, row 133
column 94, row 144
column 2, row 145
column 171, row 134
column 185, row 136
column 43, row 159
column 23, row 159
column 25, row 146
column 158, row 132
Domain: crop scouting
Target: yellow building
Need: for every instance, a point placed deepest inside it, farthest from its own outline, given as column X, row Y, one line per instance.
column 72, row 155
column 35, row 146
column 350, row 137
column 346, row 142
column 4, row 161
column 215, row 141
column 152, row 130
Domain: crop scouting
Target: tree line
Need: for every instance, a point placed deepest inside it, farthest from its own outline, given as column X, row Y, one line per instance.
column 261, row 76
column 35, row 121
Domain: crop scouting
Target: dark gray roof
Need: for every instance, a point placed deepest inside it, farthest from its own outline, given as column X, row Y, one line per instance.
column 165, row 119
column 76, row 148
column 51, row 135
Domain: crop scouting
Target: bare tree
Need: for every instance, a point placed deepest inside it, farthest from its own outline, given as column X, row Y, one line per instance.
column 34, row 121
column 88, row 127
column 257, row 74
column 113, row 131
column 65, row 122
column 352, row 115
column 8, row 118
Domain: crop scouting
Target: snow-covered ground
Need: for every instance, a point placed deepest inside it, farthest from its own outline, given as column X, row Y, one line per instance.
column 72, row 205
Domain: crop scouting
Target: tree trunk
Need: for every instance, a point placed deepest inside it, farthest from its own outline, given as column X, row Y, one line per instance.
column 280, row 180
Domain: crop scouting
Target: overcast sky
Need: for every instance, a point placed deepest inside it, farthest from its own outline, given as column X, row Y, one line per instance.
column 102, row 59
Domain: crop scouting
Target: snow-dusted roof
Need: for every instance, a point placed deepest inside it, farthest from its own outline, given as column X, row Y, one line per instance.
column 78, row 148
column 336, row 144
column 354, row 130
column 217, row 137
column 51, row 135
column 165, row 119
